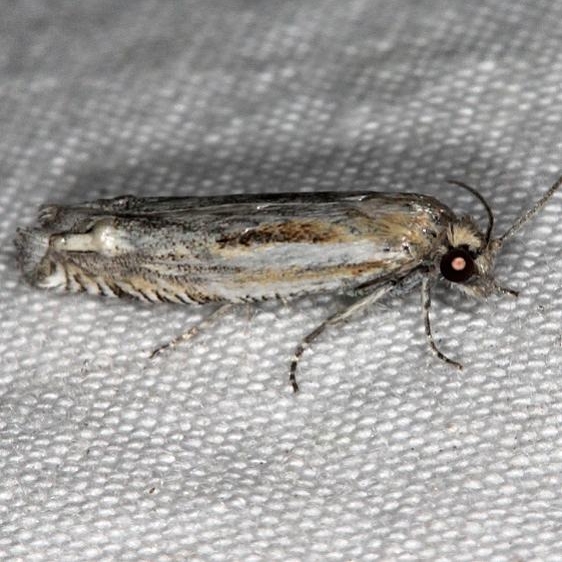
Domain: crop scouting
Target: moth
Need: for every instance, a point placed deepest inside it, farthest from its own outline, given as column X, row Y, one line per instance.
column 239, row 248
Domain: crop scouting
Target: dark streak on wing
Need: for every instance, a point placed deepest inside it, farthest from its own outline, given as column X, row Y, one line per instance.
column 117, row 290
column 295, row 231
column 284, row 204
column 131, row 206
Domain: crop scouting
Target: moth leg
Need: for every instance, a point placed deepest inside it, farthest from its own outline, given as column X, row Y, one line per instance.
column 507, row 291
column 339, row 316
column 426, row 305
column 194, row 330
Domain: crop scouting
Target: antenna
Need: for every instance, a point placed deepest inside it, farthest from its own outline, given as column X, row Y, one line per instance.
column 480, row 198
column 531, row 212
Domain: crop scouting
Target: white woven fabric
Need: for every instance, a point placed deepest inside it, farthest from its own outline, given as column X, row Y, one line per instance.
column 204, row 453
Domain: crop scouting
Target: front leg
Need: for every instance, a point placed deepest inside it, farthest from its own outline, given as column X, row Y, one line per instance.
column 426, row 305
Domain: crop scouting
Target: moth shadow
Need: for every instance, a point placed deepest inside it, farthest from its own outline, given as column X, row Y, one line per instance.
column 204, row 172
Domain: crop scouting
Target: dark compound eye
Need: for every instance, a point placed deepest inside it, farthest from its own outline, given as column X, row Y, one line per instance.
column 457, row 265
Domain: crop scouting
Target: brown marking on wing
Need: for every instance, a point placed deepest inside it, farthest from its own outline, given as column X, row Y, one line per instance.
column 303, row 231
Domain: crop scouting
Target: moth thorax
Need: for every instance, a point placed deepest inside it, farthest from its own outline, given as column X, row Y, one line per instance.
column 465, row 233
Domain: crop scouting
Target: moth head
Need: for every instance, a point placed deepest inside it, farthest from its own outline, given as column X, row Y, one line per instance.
column 469, row 255
column 468, row 259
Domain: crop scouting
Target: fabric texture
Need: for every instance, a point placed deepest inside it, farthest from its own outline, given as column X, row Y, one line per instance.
column 204, row 453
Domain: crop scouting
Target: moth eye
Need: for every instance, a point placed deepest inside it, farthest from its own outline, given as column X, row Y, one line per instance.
column 457, row 265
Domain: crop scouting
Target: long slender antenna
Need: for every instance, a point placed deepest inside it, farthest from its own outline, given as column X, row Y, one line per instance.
column 531, row 212
column 480, row 197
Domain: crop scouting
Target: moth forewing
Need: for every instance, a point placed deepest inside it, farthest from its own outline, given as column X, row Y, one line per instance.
column 231, row 249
